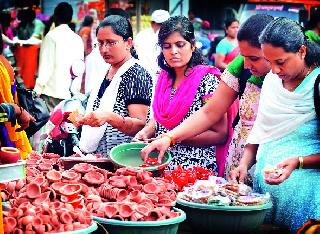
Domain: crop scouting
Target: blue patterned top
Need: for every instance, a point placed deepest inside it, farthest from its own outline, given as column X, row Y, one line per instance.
column 297, row 199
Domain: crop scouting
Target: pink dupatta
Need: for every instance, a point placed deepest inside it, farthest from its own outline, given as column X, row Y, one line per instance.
column 170, row 113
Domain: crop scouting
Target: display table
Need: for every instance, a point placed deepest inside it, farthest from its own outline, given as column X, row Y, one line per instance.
column 9, row 172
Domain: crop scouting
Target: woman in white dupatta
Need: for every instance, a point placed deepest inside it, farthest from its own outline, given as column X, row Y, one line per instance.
column 117, row 107
column 285, row 134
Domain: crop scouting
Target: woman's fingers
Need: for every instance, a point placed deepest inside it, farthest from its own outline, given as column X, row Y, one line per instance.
column 161, row 145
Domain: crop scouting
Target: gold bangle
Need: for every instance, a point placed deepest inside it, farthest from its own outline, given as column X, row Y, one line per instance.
column 300, row 162
column 172, row 140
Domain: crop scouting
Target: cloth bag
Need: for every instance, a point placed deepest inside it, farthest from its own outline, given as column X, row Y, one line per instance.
column 36, row 106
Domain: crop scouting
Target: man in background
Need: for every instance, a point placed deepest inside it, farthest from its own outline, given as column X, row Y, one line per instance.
column 60, row 48
column 146, row 42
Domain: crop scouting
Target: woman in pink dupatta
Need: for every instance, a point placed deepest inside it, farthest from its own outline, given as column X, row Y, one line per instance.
column 183, row 87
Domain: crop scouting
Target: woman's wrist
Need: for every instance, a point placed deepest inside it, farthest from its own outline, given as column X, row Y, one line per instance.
column 300, row 163
column 171, row 138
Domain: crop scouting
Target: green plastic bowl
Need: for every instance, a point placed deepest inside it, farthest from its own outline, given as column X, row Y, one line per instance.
column 168, row 226
column 128, row 155
column 224, row 219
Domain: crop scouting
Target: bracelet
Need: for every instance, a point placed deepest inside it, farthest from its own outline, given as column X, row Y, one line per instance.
column 300, row 162
column 172, row 139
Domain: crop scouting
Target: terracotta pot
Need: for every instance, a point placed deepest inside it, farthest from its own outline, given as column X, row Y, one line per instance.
column 150, row 188
column 27, row 220
column 33, row 190
column 71, row 191
column 71, row 175
column 94, row 178
column 9, row 155
column 110, row 211
column 82, row 167
column 54, row 176
column 20, row 184
column 125, row 210
column 57, row 186
column 9, row 224
column 44, row 166
column 66, row 218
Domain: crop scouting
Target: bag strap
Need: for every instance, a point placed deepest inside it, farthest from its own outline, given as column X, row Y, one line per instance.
column 243, row 78
column 316, row 96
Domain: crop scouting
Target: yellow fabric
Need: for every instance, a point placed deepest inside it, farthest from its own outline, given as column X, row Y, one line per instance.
column 20, row 139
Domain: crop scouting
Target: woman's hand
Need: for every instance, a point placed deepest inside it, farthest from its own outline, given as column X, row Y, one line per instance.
column 287, row 167
column 143, row 135
column 238, row 174
column 93, row 119
column 161, row 145
column 146, row 133
column 24, row 119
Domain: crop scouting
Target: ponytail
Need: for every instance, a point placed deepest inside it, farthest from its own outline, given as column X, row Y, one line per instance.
column 134, row 53
column 313, row 53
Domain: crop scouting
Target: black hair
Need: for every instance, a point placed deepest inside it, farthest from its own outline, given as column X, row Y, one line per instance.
column 87, row 21
column 63, row 13
column 26, row 27
column 288, row 34
column 120, row 26
column 314, row 20
column 229, row 21
column 26, row 16
column 5, row 19
column 251, row 29
column 117, row 11
column 182, row 25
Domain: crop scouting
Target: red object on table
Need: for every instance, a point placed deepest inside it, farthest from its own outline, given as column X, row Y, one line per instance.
column 186, row 177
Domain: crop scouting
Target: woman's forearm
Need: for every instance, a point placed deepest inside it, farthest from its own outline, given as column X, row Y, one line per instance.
column 207, row 116
column 128, row 125
column 206, row 139
column 249, row 155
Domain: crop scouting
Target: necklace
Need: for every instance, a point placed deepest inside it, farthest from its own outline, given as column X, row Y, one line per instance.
column 295, row 86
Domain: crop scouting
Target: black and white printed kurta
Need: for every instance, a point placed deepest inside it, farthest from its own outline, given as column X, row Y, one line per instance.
column 135, row 88
column 189, row 156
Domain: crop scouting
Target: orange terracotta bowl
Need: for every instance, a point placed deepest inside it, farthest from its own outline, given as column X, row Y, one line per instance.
column 9, row 155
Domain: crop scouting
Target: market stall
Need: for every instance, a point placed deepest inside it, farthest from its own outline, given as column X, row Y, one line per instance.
column 54, row 194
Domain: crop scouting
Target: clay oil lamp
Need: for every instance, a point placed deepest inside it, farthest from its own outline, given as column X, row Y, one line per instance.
column 9, row 155
column 70, row 191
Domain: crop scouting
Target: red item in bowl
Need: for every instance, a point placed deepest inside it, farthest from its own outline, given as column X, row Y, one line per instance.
column 150, row 162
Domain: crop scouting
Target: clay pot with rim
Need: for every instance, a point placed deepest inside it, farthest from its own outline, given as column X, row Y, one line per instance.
column 70, row 191
column 9, row 155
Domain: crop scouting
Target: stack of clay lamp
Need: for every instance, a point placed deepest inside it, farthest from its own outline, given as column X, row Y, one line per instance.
column 64, row 200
